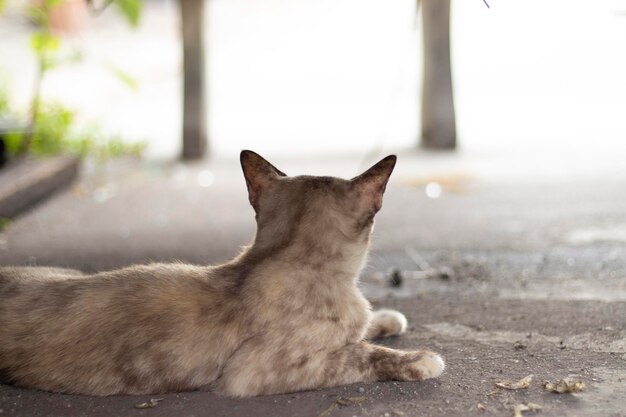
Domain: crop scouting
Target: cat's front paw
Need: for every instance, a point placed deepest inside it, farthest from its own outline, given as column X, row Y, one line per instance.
column 422, row 365
column 386, row 323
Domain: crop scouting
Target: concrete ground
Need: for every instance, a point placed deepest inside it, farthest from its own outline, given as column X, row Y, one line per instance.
column 506, row 277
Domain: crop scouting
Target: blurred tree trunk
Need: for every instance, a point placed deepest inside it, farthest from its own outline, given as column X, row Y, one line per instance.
column 194, row 123
column 438, row 119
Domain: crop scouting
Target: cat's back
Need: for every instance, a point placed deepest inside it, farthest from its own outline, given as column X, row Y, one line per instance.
column 56, row 287
column 120, row 325
column 30, row 294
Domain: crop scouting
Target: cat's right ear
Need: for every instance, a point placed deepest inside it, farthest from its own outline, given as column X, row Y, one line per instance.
column 372, row 183
column 259, row 174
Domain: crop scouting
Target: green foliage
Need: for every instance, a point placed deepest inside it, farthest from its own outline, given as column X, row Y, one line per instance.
column 115, row 147
column 45, row 46
column 52, row 126
column 37, row 14
column 2, row 4
column 130, row 9
column 51, row 130
column 54, row 134
column 52, row 3
column 44, row 42
column 124, row 77
column 4, row 223
column 5, row 108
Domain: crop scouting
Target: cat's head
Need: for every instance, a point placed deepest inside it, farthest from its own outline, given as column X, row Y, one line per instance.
column 317, row 212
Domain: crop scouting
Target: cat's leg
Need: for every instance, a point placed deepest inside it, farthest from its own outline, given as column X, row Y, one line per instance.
column 386, row 323
column 256, row 373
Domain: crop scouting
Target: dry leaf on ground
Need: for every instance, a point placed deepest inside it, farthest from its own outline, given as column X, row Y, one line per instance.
column 350, row 400
column 150, row 404
column 565, row 385
column 521, row 384
column 520, row 408
column 341, row 401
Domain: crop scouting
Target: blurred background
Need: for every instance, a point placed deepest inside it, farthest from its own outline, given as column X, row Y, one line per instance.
column 508, row 118
column 538, row 86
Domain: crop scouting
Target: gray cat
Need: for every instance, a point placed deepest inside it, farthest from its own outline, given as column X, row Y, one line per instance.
column 285, row 315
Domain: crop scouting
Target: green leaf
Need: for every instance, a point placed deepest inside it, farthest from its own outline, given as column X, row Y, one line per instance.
column 5, row 107
column 56, row 133
column 124, row 77
column 52, row 3
column 52, row 130
column 2, row 5
column 37, row 14
column 12, row 141
column 4, row 223
column 130, row 9
column 44, row 42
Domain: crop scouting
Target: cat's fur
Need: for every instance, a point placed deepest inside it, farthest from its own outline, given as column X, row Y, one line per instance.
column 285, row 315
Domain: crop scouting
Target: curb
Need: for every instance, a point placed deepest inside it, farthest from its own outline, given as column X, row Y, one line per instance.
column 27, row 182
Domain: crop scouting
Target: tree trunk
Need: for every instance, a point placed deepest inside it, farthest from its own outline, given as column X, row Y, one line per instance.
column 194, row 114
column 438, row 120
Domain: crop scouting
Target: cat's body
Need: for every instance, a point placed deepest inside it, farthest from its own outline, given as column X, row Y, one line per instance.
column 285, row 315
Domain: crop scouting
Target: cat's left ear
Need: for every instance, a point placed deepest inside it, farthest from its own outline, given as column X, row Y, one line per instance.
column 259, row 174
column 372, row 183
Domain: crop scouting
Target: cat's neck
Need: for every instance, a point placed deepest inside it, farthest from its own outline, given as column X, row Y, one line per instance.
column 312, row 255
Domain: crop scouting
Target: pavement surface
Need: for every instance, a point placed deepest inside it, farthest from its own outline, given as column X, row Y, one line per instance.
column 506, row 276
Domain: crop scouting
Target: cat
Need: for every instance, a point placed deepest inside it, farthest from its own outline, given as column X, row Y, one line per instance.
column 285, row 315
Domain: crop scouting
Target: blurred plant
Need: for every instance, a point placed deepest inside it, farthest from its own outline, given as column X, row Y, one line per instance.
column 49, row 126
column 55, row 132
column 5, row 109
column 130, row 9
column 4, row 221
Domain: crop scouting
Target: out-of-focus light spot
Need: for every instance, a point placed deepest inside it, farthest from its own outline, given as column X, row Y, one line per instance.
column 433, row 190
column 104, row 193
column 205, row 178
